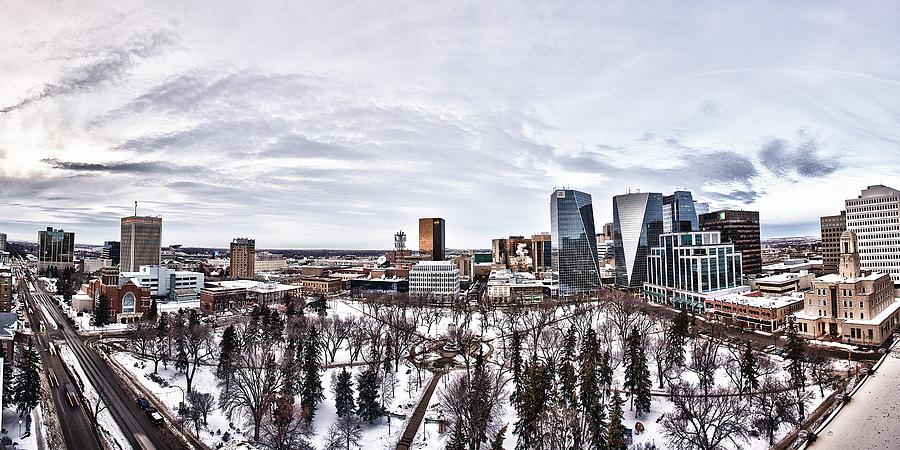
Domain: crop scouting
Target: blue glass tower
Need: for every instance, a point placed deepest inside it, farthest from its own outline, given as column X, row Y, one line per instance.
column 573, row 242
column 637, row 224
column 679, row 214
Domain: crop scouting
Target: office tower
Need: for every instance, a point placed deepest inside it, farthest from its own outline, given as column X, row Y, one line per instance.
column 701, row 208
column 56, row 248
column 875, row 218
column 832, row 227
column 2, row 242
column 243, row 257
column 741, row 228
column 684, row 269
column 498, row 251
column 609, row 231
column 637, row 223
column 111, row 252
column 678, row 213
column 140, row 242
column 432, row 238
column 436, row 280
column 573, row 242
column 542, row 252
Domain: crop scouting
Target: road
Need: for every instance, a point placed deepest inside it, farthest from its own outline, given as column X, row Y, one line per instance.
column 135, row 425
column 77, row 429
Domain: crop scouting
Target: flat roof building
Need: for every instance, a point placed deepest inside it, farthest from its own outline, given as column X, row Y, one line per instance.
column 433, row 237
column 740, row 228
column 831, row 229
column 242, row 258
column 56, row 248
column 140, row 242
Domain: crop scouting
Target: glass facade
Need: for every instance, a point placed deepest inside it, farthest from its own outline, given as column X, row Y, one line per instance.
column 573, row 242
column 56, row 248
column 679, row 214
column 637, row 224
column 740, row 228
column 140, row 242
column 687, row 265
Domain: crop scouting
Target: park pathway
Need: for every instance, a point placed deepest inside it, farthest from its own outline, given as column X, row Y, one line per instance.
column 418, row 415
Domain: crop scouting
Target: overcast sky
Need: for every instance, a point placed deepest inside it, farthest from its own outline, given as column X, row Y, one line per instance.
column 334, row 124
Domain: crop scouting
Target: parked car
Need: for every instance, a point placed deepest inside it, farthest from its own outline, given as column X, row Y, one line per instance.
column 143, row 403
column 157, row 418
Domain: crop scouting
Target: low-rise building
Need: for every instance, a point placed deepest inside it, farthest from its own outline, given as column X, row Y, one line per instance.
column 360, row 286
column 321, row 285
column 436, row 280
column 794, row 265
column 127, row 299
column 754, row 310
column 506, row 286
column 93, row 265
column 783, row 283
column 233, row 294
column 851, row 306
column 164, row 283
column 269, row 262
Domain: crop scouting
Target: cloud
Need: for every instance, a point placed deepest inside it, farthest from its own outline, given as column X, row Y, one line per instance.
column 108, row 65
column 803, row 160
column 121, row 167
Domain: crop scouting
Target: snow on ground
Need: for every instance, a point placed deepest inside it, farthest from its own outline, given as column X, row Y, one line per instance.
column 15, row 427
column 108, row 427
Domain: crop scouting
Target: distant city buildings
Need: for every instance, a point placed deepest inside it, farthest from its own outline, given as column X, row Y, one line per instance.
column 573, row 242
column 508, row 287
column 686, row 269
column 740, row 228
column 831, row 228
column 269, row 262
column 433, row 238
column 874, row 216
column 140, row 242
column 242, row 258
column 542, row 252
column 436, row 280
column 637, row 223
column 854, row 306
column 514, row 253
column 92, row 265
column 2, row 242
column 229, row 295
column 56, row 248
column 111, row 252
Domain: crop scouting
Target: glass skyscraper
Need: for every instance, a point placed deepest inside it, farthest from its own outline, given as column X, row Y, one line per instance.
column 637, row 224
column 573, row 242
column 679, row 214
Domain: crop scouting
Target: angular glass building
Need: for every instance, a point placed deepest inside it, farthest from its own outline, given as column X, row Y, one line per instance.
column 679, row 214
column 573, row 245
column 637, row 224
column 687, row 268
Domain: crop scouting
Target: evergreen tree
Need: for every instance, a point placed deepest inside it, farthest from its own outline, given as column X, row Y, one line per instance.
column 153, row 312
column 604, row 372
column 369, row 408
column 290, row 309
column 457, row 439
column 27, row 382
column 228, row 349
column 343, row 394
column 497, row 442
column 591, row 404
column 290, row 368
column 637, row 374
column 749, row 369
column 312, row 392
column 102, row 311
column 516, row 362
column 615, row 432
column 568, row 379
column 796, row 356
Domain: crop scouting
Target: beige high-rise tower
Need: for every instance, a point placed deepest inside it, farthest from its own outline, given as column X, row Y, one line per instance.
column 140, row 242
column 243, row 258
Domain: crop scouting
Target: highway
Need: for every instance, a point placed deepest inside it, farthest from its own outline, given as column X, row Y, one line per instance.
column 135, row 425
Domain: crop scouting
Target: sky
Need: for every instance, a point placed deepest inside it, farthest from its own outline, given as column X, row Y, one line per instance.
column 308, row 124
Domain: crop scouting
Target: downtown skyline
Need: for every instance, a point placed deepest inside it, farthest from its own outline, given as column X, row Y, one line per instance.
column 326, row 128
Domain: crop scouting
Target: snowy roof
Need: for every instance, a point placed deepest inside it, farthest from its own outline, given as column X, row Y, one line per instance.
column 781, row 277
column 252, row 285
column 758, row 301
column 837, row 278
column 8, row 325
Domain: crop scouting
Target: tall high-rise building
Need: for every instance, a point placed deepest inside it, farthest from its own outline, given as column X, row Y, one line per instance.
column 498, row 251
column 701, row 208
column 56, row 248
column 243, row 258
column 111, row 252
column 875, row 218
column 573, row 242
column 433, row 238
column 678, row 213
column 609, row 231
column 2, row 242
column 741, row 228
column 542, row 252
column 6, row 288
column 637, row 223
column 684, row 269
column 832, row 228
column 140, row 242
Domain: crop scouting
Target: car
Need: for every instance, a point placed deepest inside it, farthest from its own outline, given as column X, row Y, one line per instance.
column 143, row 403
column 157, row 418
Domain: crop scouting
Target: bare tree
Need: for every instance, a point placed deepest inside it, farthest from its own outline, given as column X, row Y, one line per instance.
column 705, row 361
column 773, row 408
column 704, row 421
column 474, row 400
column 256, row 380
column 659, row 350
column 335, row 331
column 285, row 429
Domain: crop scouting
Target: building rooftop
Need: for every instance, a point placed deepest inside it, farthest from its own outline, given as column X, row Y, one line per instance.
column 251, row 285
column 837, row 278
column 781, row 277
column 793, row 264
column 757, row 300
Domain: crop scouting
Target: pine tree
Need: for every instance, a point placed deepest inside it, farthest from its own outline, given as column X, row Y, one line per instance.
column 457, row 439
column 102, row 311
column 615, row 432
column 591, row 404
column 749, row 369
column 343, row 394
column 228, row 348
column 637, row 374
column 516, row 360
column 312, row 391
column 369, row 408
column 497, row 442
column 27, row 382
column 153, row 312
column 568, row 379
column 290, row 368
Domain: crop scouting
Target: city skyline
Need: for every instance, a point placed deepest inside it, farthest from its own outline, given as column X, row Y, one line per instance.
column 302, row 126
